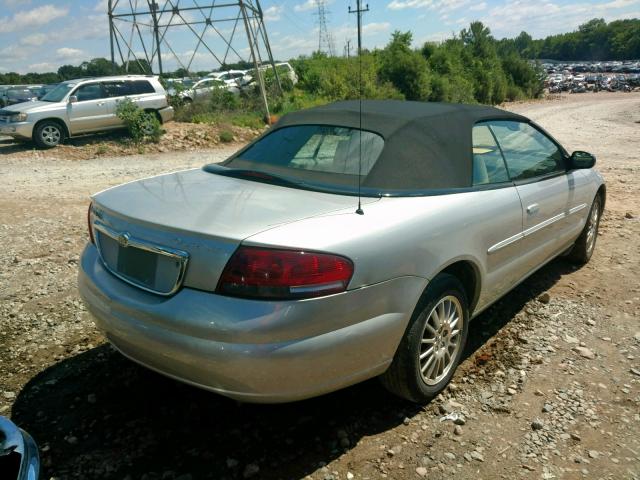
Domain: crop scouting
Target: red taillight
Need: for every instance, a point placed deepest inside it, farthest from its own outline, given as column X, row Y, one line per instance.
column 284, row 274
column 89, row 226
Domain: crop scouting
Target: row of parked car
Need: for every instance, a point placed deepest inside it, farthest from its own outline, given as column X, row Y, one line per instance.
column 591, row 82
column 629, row 66
column 47, row 114
column 234, row 81
column 12, row 94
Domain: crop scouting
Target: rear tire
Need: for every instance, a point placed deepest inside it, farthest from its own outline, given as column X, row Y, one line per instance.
column 148, row 127
column 434, row 341
column 586, row 243
column 48, row 134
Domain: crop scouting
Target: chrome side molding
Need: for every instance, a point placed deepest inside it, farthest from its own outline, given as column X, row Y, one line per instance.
column 535, row 228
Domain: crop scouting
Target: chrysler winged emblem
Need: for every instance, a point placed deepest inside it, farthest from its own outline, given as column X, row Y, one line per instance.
column 123, row 239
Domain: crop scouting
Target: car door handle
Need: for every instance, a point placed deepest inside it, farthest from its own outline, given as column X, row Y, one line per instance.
column 100, row 104
column 533, row 209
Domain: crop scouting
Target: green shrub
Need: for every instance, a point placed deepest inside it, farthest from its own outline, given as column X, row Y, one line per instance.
column 141, row 125
column 405, row 68
column 226, row 136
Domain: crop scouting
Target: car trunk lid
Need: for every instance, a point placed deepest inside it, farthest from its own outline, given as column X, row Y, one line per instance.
column 159, row 232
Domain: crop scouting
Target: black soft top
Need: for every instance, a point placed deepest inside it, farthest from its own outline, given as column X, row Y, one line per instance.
column 427, row 145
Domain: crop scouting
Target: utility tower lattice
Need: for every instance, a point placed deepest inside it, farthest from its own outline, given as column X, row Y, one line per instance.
column 325, row 41
column 153, row 34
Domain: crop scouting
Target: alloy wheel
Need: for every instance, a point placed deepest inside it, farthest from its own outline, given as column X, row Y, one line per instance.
column 51, row 135
column 441, row 339
column 592, row 229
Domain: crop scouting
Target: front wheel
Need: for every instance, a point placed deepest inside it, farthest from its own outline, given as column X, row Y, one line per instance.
column 433, row 344
column 585, row 244
column 48, row 134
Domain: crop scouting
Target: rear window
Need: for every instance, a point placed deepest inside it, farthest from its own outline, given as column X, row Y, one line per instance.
column 304, row 150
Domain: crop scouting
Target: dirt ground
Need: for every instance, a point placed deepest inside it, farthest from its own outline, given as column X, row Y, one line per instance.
column 549, row 388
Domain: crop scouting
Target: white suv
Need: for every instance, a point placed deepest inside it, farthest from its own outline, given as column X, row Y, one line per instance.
column 82, row 106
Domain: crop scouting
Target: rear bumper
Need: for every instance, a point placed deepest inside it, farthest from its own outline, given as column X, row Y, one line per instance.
column 23, row 130
column 254, row 351
column 166, row 114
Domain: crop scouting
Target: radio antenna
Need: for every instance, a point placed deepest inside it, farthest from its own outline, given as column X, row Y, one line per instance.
column 359, row 11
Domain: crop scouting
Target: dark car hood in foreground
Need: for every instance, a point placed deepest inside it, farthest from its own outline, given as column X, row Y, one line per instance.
column 215, row 205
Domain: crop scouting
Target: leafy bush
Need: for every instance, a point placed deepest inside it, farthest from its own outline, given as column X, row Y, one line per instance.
column 405, row 68
column 226, row 136
column 140, row 124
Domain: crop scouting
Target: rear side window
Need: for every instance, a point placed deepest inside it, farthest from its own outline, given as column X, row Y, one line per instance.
column 488, row 163
column 316, row 148
column 117, row 89
column 528, row 152
column 141, row 86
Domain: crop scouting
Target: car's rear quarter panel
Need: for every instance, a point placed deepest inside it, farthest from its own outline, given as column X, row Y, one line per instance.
column 414, row 236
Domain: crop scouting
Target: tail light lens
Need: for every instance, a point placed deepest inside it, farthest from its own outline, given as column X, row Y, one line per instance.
column 284, row 274
column 90, row 223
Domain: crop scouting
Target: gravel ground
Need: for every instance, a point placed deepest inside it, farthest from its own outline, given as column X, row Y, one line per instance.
column 177, row 137
column 549, row 388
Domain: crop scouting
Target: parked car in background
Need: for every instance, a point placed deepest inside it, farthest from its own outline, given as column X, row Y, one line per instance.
column 83, row 106
column 285, row 70
column 41, row 91
column 16, row 95
column 176, row 85
column 205, row 87
column 19, row 459
column 233, row 78
column 351, row 240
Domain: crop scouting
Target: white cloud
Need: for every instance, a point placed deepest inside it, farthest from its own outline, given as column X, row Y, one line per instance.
column 9, row 53
column 309, row 5
column 31, row 18
column 478, row 7
column 34, row 40
column 306, row 6
column 402, row 4
column 548, row 17
column 15, row 3
column 102, row 6
column 67, row 53
column 43, row 67
column 273, row 13
column 439, row 5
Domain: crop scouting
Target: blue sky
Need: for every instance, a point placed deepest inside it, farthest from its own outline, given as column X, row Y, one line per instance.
column 41, row 35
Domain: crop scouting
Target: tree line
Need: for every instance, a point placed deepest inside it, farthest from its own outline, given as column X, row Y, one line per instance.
column 595, row 40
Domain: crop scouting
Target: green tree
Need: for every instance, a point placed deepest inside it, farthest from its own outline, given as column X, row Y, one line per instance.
column 405, row 68
column 100, row 67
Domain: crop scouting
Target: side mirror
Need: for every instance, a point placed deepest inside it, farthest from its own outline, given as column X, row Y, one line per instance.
column 19, row 458
column 73, row 99
column 581, row 159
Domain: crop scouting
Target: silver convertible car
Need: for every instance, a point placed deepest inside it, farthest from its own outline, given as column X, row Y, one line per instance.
column 341, row 245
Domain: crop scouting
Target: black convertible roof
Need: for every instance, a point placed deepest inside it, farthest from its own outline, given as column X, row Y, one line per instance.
column 427, row 145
